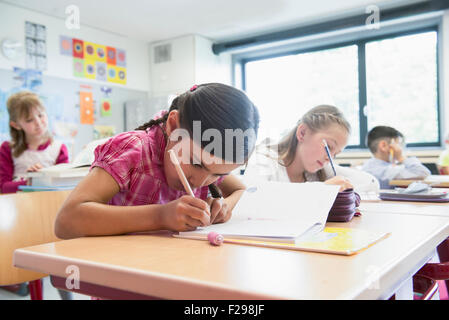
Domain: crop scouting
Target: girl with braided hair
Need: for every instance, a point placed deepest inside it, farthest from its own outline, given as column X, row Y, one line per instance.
column 133, row 186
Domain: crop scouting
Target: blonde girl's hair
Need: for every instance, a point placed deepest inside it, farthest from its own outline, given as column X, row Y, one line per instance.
column 318, row 118
column 20, row 105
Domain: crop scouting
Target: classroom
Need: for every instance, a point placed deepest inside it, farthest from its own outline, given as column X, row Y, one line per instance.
column 280, row 150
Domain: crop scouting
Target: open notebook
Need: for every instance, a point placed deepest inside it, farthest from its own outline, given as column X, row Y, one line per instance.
column 275, row 212
column 341, row 241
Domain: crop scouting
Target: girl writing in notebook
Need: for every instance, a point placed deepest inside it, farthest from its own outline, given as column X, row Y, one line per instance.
column 300, row 156
column 31, row 147
column 133, row 185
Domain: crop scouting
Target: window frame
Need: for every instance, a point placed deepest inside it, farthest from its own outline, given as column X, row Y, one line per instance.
column 240, row 61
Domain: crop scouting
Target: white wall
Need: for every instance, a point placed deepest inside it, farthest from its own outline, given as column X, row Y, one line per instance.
column 192, row 62
column 210, row 67
column 12, row 25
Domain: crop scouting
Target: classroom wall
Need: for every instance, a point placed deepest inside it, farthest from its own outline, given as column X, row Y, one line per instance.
column 12, row 25
column 60, row 89
column 192, row 62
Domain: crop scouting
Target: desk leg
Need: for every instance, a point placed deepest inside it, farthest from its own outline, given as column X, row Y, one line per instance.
column 405, row 292
column 35, row 289
column 99, row 291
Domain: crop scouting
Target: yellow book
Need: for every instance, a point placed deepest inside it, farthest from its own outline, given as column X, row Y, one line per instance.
column 342, row 241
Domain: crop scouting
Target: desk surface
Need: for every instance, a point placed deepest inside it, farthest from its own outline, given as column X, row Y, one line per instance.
column 405, row 183
column 166, row 267
column 406, row 207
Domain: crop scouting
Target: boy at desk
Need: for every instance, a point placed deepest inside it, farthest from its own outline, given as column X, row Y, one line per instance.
column 388, row 161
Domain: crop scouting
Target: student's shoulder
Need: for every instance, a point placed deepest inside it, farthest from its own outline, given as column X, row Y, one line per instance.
column 130, row 145
column 5, row 147
column 128, row 139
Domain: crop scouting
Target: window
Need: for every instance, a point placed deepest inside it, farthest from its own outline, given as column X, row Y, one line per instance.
column 394, row 76
column 401, row 83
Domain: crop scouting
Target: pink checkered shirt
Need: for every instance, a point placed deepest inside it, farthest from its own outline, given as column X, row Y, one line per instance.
column 136, row 162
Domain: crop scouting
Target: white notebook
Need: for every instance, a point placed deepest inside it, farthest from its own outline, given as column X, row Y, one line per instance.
column 275, row 211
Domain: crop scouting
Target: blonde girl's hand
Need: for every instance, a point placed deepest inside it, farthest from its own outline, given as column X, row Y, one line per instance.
column 185, row 214
column 340, row 181
column 219, row 210
column 35, row 167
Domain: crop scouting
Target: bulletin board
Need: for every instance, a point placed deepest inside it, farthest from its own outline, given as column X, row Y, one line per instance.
column 61, row 98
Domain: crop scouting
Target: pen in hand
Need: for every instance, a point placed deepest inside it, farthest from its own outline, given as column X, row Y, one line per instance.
column 329, row 156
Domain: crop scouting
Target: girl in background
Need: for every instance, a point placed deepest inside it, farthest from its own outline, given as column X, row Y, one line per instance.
column 31, row 147
column 300, row 155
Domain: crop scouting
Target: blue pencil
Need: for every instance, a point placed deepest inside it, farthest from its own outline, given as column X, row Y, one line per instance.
column 329, row 156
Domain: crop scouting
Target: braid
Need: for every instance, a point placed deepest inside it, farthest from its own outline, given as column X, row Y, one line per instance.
column 153, row 122
column 174, row 106
column 325, row 116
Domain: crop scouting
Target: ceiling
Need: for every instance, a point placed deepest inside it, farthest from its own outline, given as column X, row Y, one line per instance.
column 219, row 20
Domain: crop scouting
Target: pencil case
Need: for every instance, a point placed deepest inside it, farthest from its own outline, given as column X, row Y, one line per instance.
column 344, row 207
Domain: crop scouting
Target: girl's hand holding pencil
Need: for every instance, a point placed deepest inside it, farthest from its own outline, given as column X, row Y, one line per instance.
column 219, row 210
column 185, row 214
column 340, row 181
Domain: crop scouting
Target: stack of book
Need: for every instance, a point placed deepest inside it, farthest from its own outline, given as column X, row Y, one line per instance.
column 63, row 176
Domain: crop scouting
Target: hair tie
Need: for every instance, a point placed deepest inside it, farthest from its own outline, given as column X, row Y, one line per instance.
column 193, row 88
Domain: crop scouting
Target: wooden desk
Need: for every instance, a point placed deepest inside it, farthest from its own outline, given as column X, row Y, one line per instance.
column 405, row 183
column 406, row 207
column 170, row 268
column 26, row 219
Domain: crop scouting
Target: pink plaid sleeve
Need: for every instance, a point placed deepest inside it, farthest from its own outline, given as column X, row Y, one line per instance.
column 120, row 156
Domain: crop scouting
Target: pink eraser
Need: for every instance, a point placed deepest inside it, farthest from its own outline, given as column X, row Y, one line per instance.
column 215, row 238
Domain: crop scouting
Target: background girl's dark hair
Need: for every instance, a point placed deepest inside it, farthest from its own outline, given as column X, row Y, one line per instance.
column 216, row 106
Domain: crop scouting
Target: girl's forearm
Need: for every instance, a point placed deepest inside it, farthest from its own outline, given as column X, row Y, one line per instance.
column 97, row 219
column 233, row 198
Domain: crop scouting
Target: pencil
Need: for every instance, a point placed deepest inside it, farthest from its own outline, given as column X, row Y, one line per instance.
column 391, row 155
column 181, row 175
column 329, row 156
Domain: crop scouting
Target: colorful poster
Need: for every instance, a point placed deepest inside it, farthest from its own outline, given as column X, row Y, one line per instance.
column 65, row 46
column 101, row 132
column 89, row 69
column 121, row 75
column 111, row 55
column 105, row 107
column 100, row 53
column 86, row 108
column 89, row 50
column 78, row 67
column 78, row 48
column 101, row 71
column 94, row 61
column 112, row 73
column 121, row 58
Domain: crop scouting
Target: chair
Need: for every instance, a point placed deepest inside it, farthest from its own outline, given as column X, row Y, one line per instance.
column 424, row 288
column 439, row 271
column 26, row 219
